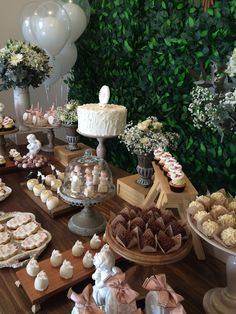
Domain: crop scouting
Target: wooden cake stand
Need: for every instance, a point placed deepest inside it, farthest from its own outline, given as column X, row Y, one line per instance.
column 220, row 300
column 146, row 262
column 50, row 136
column 3, row 150
column 101, row 148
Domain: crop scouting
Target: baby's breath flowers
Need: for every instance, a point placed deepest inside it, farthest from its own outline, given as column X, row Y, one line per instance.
column 22, row 65
column 214, row 101
column 146, row 136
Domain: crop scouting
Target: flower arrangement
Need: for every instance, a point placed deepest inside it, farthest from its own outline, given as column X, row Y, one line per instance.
column 214, row 100
column 146, row 136
column 67, row 115
column 22, row 65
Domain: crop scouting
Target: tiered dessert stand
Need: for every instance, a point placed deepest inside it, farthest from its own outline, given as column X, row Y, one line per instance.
column 146, row 263
column 220, row 300
column 89, row 221
column 3, row 151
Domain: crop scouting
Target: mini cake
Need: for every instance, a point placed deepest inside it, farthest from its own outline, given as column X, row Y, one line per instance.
column 56, row 258
column 66, row 270
column 218, row 198
column 218, row 210
column 41, row 281
column 49, row 178
column 8, row 123
column 200, row 215
column 177, row 183
column 163, row 158
column 45, row 194
column 226, row 220
column 31, row 183
column 228, row 236
column 95, row 242
column 52, row 202
column 195, row 206
column 78, row 249
column 205, row 200
column 232, row 206
column 2, row 161
column 32, row 268
column 38, row 188
column 55, row 184
column 95, row 120
column 88, row 260
column 210, row 228
column 157, row 154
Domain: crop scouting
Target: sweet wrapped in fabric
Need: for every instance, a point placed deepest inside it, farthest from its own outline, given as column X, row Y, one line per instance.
column 161, row 298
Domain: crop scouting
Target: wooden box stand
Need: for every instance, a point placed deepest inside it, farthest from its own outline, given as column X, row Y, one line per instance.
column 161, row 194
column 64, row 156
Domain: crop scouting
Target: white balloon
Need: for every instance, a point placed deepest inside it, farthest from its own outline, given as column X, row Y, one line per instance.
column 67, row 58
column 51, row 34
column 62, row 63
column 52, row 27
column 78, row 20
column 26, row 16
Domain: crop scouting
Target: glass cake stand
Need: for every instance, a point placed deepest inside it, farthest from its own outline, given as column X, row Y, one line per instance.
column 88, row 221
column 220, row 300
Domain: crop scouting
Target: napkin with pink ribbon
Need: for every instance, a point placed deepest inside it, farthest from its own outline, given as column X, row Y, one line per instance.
column 124, row 293
column 167, row 298
column 85, row 300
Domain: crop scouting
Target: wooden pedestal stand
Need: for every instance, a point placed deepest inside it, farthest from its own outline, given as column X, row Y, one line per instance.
column 64, row 156
column 160, row 192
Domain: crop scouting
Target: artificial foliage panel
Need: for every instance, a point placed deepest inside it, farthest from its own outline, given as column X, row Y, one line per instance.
column 145, row 50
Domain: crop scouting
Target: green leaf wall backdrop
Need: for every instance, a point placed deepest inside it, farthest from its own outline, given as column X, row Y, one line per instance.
column 144, row 50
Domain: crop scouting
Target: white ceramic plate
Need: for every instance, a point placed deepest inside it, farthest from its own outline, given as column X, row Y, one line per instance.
column 8, row 192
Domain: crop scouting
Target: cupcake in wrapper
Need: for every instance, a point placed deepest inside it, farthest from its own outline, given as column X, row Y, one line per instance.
column 218, row 198
column 200, row 215
column 228, row 237
column 227, row 220
column 210, row 228
column 218, row 210
column 205, row 201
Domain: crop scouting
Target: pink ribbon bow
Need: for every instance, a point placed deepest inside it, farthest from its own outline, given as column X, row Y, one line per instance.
column 86, row 300
column 166, row 295
column 124, row 294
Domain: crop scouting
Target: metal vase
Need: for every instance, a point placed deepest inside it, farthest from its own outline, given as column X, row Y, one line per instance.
column 72, row 137
column 145, row 169
column 21, row 103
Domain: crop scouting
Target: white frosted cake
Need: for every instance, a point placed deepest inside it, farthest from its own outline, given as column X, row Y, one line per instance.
column 98, row 121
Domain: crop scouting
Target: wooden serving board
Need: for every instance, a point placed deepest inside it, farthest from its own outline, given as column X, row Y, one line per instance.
column 59, row 210
column 56, row 283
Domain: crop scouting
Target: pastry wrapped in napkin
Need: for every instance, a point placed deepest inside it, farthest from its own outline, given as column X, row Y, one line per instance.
column 161, row 298
column 121, row 298
column 84, row 303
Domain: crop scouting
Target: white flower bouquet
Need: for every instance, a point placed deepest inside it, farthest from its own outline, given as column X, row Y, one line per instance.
column 214, row 100
column 146, row 136
column 22, row 65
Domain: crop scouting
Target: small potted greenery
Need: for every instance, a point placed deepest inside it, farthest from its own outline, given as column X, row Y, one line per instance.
column 67, row 117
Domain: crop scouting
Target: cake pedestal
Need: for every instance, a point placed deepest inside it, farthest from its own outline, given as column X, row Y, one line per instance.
column 101, row 148
column 89, row 221
column 220, row 300
column 3, row 151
